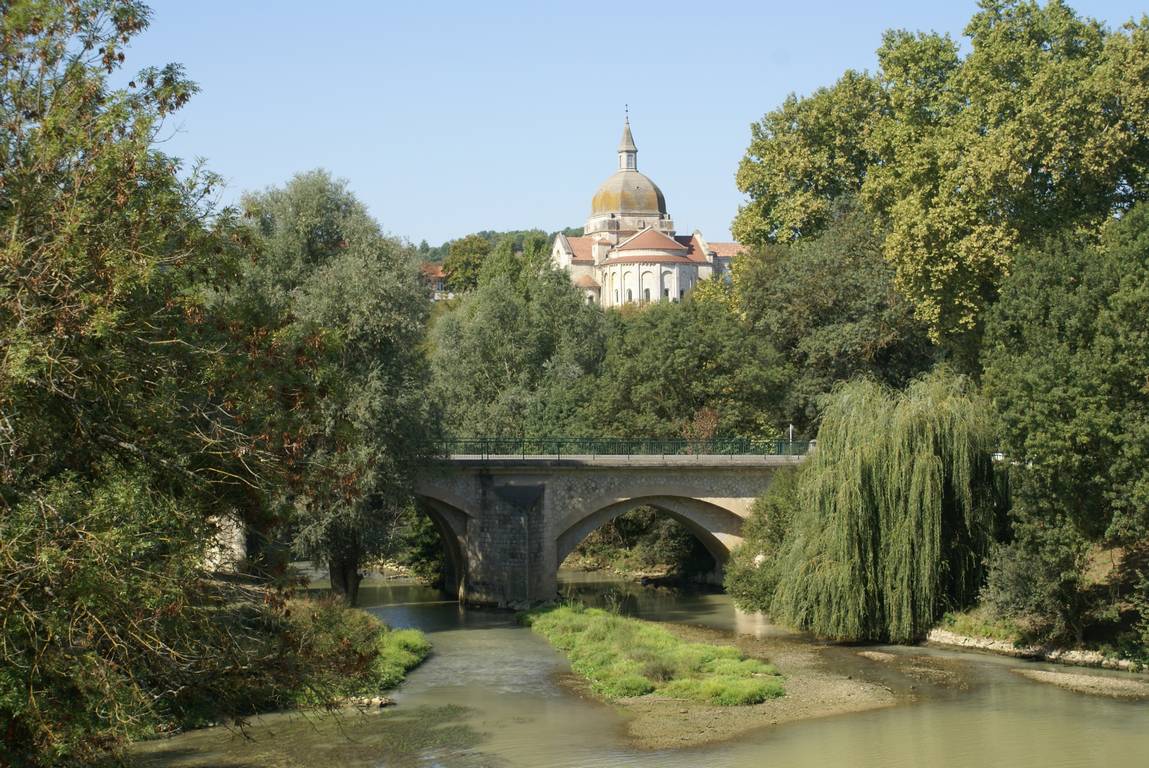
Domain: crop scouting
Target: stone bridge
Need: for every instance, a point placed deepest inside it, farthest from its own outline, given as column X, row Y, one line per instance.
column 508, row 522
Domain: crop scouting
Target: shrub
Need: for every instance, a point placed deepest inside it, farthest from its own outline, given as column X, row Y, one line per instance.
column 349, row 652
column 751, row 575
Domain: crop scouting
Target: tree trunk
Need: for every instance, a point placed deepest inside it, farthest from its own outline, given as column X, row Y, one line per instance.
column 345, row 577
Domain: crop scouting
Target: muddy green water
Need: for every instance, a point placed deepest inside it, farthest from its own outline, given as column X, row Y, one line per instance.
column 488, row 697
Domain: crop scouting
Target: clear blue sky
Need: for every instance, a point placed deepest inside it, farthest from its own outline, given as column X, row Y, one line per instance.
column 451, row 117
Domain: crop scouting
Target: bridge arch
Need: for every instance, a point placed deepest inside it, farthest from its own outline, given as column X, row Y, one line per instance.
column 719, row 529
column 451, row 523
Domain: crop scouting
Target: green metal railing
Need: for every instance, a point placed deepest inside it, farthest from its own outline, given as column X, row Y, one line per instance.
column 558, row 447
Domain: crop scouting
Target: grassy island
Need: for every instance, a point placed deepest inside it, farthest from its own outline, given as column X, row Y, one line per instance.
column 623, row 657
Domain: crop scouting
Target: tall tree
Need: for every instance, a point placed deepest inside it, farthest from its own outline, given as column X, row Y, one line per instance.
column 805, row 155
column 896, row 512
column 1040, row 126
column 124, row 401
column 1067, row 365
column 331, row 277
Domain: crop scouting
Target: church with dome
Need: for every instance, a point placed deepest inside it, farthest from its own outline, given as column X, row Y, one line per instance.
column 629, row 252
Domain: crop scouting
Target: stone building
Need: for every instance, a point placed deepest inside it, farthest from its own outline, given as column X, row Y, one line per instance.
column 629, row 252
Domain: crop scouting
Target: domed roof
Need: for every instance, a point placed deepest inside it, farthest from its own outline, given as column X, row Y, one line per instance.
column 628, row 192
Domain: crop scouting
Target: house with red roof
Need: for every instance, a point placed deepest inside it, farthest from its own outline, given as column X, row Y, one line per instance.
column 629, row 252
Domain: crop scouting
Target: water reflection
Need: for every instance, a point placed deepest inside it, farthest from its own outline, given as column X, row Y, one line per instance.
column 505, row 678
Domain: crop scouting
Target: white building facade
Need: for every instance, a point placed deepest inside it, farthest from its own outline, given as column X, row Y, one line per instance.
column 629, row 252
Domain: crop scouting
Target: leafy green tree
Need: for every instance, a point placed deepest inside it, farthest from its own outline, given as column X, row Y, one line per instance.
column 803, row 156
column 829, row 306
column 670, row 367
column 128, row 418
column 517, row 356
column 464, row 261
column 898, row 507
column 752, row 574
column 1039, row 127
column 329, row 275
column 1066, row 355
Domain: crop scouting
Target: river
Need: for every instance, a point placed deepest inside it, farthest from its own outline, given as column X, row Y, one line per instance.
column 489, row 697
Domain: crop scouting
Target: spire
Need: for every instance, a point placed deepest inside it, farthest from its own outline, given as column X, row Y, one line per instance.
column 627, row 151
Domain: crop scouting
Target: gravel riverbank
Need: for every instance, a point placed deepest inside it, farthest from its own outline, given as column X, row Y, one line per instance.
column 942, row 637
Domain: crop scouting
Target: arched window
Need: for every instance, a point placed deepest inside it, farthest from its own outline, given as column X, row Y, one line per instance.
column 646, row 295
column 629, row 295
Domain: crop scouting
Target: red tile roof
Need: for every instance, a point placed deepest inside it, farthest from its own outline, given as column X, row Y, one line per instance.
column 586, row 281
column 432, row 270
column 694, row 248
column 651, row 240
column 581, row 246
column 727, row 250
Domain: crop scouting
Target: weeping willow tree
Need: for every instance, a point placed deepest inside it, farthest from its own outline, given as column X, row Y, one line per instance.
column 896, row 511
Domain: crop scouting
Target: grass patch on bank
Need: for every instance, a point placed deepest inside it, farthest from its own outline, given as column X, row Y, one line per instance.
column 980, row 622
column 623, row 657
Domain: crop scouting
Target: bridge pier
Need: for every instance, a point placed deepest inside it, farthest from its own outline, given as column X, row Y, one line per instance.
column 508, row 522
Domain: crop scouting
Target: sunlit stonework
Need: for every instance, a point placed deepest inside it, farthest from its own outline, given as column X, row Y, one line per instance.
column 629, row 252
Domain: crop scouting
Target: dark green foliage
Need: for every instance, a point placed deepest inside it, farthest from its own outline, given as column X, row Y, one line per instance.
column 1038, row 582
column 828, row 304
column 897, row 512
column 419, row 546
column 1066, row 356
column 686, row 369
column 645, row 539
column 327, row 274
column 109, row 624
column 1067, row 350
column 752, row 573
column 518, row 354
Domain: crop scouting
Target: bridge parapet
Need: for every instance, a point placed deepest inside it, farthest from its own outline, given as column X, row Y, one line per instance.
column 558, row 461
column 582, row 447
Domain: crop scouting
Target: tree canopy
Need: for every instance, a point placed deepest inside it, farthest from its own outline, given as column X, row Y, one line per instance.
column 464, row 261
column 963, row 158
column 896, row 511
column 517, row 356
column 327, row 274
column 689, row 369
column 828, row 304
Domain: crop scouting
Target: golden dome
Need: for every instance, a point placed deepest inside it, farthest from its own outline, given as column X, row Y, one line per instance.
column 628, row 192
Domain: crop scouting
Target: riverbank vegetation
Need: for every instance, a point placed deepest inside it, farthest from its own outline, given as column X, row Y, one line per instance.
column 1041, row 308
column 892, row 517
column 622, row 657
column 169, row 367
